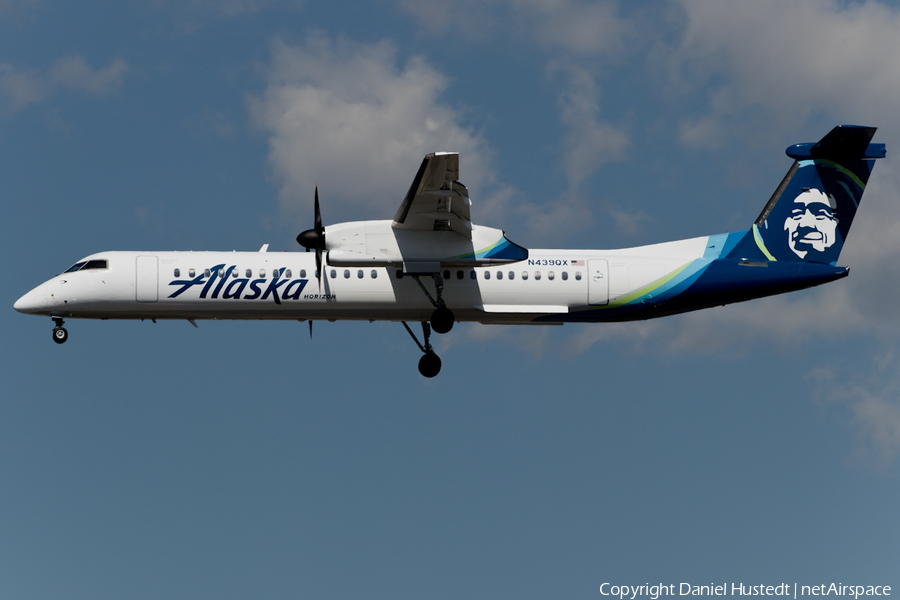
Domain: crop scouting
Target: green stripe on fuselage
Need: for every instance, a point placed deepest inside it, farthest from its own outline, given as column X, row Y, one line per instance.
column 647, row 289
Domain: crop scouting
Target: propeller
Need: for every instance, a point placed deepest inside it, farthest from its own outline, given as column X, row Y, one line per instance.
column 314, row 239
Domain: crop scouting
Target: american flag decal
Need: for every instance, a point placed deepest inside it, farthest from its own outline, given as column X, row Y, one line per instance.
column 577, row 263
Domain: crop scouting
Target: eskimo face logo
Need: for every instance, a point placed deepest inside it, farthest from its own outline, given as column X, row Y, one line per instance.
column 812, row 224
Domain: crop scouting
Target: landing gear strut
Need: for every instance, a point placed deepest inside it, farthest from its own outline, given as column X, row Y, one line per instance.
column 442, row 318
column 430, row 363
column 60, row 335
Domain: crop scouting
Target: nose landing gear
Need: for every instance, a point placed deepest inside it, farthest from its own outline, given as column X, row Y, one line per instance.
column 430, row 363
column 60, row 335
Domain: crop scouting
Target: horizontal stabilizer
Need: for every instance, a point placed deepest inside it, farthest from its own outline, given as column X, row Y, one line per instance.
column 842, row 142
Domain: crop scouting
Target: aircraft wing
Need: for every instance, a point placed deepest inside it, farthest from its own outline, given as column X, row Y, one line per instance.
column 436, row 201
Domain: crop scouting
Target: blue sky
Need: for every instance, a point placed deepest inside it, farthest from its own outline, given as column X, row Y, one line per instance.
column 755, row 443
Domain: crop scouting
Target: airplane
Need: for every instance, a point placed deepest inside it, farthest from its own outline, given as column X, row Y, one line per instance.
column 431, row 264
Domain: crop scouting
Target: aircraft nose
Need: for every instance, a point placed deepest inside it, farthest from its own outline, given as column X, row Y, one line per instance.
column 30, row 303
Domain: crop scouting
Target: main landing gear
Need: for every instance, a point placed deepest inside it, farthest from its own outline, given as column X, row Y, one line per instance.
column 430, row 363
column 441, row 321
column 442, row 317
column 60, row 335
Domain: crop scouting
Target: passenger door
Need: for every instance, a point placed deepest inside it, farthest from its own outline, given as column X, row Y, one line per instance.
column 598, row 282
column 146, row 285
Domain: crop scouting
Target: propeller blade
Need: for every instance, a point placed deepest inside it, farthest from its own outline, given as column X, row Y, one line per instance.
column 319, row 267
column 320, row 231
column 320, row 238
column 310, row 329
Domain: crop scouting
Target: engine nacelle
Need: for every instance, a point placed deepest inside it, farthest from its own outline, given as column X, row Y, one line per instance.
column 377, row 243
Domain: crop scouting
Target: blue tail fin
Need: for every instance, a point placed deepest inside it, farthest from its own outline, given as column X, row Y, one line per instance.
column 809, row 215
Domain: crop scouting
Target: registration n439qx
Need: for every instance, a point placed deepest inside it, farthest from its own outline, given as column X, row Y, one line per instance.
column 431, row 264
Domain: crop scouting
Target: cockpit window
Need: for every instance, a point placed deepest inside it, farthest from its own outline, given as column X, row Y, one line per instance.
column 87, row 264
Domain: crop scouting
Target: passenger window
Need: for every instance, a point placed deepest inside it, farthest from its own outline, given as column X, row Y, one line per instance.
column 287, row 273
column 524, row 275
column 177, row 272
column 551, row 275
column 487, row 274
column 537, row 275
column 234, row 273
column 399, row 273
column 359, row 274
column 472, row 274
column 578, row 275
column 499, row 274
column 346, row 273
column 74, row 267
column 275, row 273
column 302, row 273
column 206, row 272
column 459, row 274
column 262, row 273
column 565, row 276
column 191, row 273
column 333, row 274
column 374, row 274
column 446, row 274
column 248, row 273
column 512, row 275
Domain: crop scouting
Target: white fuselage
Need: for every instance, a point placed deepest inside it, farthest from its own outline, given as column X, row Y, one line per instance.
column 283, row 285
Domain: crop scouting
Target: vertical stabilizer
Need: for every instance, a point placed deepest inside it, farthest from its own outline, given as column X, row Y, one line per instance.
column 810, row 213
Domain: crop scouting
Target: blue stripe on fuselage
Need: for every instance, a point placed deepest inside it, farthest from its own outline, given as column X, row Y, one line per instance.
column 714, row 283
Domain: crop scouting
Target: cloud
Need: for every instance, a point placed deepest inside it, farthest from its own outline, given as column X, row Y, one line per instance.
column 589, row 141
column 772, row 67
column 584, row 29
column 21, row 88
column 779, row 63
column 70, row 73
column 198, row 9
column 7, row 6
column 534, row 339
column 873, row 398
column 231, row 8
column 580, row 28
column 73, row 73
column 577, row 39
column 348, row 116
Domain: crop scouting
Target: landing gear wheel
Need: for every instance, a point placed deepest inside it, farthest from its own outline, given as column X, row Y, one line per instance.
column 429, row 364
column 442, row 319
column 60, row 335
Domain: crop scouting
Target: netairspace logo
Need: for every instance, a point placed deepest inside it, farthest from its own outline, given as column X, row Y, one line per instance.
column 654, row 592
